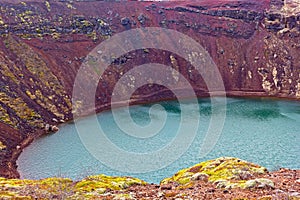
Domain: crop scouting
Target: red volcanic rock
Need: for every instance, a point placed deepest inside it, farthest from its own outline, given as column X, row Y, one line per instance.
column 254, row 44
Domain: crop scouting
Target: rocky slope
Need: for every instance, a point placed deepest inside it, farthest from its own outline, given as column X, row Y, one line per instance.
column 43, row 43
column 222, row 178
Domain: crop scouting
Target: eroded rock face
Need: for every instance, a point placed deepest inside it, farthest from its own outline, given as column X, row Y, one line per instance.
column 42, row 45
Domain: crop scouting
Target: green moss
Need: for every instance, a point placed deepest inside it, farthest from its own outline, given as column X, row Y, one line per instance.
column 92, row 183
column 63, row 188
column 55, row 185
column 12, row 195
column 224, row 172
column 7, row 70
column 43, row 77
column 21, row 109
column 41, row 189
column 5, row 118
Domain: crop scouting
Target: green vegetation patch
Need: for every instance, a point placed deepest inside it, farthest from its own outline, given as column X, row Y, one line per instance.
column 104, row 182
column 56, row 100
column 224, row 172
column 64, row 188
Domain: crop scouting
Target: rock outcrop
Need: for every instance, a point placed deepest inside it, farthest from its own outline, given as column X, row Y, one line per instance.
column 43, row 43
column 225, row 178
column 224, row 173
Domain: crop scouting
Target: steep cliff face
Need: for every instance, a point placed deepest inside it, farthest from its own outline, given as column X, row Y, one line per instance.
column 42, row 45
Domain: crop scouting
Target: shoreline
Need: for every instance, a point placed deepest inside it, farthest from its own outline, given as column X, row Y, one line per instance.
column 233, row 94
column 203, row 94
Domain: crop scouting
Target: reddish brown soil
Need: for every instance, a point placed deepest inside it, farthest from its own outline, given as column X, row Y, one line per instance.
column 286, row 181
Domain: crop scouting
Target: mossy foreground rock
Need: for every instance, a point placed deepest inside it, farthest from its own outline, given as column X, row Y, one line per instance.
column 94, row 185
column 64, row 188
column 225, row 172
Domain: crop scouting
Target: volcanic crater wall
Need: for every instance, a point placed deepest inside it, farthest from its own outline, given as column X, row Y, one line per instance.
column 255, row 44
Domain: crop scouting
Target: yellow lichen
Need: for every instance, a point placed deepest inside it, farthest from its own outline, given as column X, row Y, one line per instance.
column 107, row 182
column 123, row 196
column 21, row 109
column 48, row 6
column 93, row 35
column 46, row 103
column 226, row 171
column 64, row 188
column 31, row 96
column 12, row 195
column 269, row 197
column 43, row 77
column 70, row 6
column 8, row 70
column 86, row 23
column 2, row 146
column 77, row 105
column 5, row 118
column 1, row 21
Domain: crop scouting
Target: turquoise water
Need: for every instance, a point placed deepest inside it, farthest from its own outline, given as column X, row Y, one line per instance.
column 266, row 132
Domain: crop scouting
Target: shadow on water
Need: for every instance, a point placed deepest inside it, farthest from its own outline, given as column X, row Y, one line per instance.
column 256, row 109
column 173, row 107
column 169, row 106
